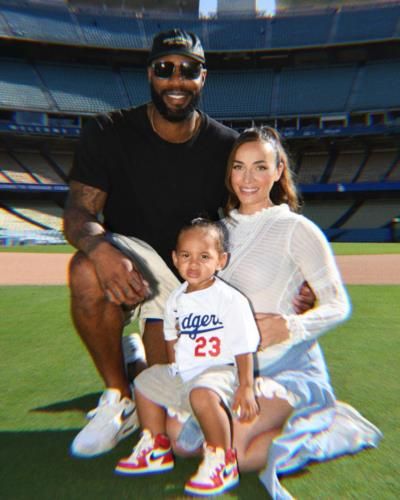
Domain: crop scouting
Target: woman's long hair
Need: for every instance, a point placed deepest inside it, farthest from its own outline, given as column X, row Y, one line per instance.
column 284, row 190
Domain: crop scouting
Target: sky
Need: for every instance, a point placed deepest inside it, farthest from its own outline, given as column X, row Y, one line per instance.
column 208, row 6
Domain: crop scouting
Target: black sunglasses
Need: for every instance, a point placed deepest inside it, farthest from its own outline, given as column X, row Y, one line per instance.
column 189, row 70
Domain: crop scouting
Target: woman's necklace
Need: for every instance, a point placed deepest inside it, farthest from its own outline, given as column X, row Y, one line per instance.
column 191, row 132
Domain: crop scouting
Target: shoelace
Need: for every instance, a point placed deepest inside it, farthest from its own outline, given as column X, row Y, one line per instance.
column 92, row 413
column 211, row 462
column 103, row 403
column 144, row 445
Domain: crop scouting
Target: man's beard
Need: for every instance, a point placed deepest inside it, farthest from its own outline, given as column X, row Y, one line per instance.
column 178, row 115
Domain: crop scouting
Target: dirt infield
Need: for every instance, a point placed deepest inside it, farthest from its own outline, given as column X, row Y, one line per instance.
column 33, row 268
column 51, row 269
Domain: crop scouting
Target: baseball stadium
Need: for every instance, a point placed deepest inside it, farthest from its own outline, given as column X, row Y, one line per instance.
column 326, row 74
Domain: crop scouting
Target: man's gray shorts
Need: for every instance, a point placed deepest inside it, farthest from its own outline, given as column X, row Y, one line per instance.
column 154, row 270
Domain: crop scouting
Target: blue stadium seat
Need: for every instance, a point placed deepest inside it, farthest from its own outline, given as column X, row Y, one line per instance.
column 315, row 90
column 301, row 30
column 314, row 28
column 379, row 86
column 236, row 34
column 20, row 86
column 136, row 85
column 41, row 22
column 367, row 24
column 4, row 28
column 111, row 31
column 84, row 89
column 238, row 94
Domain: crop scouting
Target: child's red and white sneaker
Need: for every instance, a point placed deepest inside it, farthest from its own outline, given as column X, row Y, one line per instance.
column 149, row 456
column 217, row 473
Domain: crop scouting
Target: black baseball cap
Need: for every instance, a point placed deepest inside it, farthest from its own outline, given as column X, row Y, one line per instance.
column 179, row 42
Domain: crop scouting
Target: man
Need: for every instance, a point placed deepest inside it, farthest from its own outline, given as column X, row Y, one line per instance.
column 146, row 171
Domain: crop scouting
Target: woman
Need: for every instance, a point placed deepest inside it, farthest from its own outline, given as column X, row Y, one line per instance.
column 273, row 251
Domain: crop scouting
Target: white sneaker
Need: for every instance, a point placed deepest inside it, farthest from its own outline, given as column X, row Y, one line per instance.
column 112, row 420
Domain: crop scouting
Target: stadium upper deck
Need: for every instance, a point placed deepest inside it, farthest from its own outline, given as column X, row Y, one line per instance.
column 269, row 83
column 60, row 24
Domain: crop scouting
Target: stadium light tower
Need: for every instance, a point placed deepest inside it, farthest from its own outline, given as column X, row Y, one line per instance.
column 268, row 7
column 226, row 7
column 249, row 7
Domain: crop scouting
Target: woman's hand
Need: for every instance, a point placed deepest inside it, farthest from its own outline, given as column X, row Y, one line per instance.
column 272, row 328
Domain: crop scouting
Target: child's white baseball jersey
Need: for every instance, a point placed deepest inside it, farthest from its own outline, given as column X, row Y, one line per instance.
column 212, row 326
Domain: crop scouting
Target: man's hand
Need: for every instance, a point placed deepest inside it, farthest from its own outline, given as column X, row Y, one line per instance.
column 121, row 281
column 272, row 328
column 305, row 299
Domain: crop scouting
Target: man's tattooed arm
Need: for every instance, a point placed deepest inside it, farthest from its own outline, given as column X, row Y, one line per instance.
column 81, row 226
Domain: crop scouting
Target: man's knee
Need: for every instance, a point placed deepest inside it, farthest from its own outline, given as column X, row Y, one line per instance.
column 81, row 272
column 83, row 281
column 86, row 293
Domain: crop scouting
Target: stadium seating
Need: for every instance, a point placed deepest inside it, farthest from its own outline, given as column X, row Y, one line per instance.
column 379, row 86
column 137, row 88
column 23, row 223
column 4, row 27
column 309, row 91
column 238, row 94
column 325, row 215
column 230, row 93
column 20, row 86
column 83, row 89
column 346, row 166
column 14, row 224
column 394, row 173
column 111, row 31
column 372, row 23
column 377, row 165
column 301, row 30
column 133, row 30
column 45, row 213
column 41, row 22
column 312, row 167
column 234, row 34
column 315, row 90
column 373, row 213
column 63, row 159
column 37, row 165
column 4, row 179
column 13, row 171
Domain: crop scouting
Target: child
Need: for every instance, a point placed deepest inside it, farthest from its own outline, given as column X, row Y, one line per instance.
column 211, row 335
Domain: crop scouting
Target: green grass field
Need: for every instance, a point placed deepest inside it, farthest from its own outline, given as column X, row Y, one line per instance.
column 38, row 249
column 47, row 383
column 339, row 248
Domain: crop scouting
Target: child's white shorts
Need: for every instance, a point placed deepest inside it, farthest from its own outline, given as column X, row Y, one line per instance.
column 159, row 384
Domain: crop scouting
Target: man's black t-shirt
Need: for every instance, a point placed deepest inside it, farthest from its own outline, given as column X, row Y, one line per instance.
column 153, row 186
